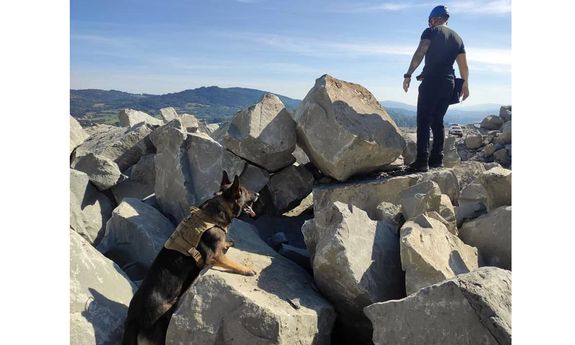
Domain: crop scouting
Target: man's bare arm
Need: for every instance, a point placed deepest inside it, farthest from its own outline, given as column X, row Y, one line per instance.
column 418, row 55
column 461, row 60
column 416, row 60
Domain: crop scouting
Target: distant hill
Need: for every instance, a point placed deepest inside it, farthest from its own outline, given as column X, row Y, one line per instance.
column 212, row 104
column 458, row 113
column 215, row 104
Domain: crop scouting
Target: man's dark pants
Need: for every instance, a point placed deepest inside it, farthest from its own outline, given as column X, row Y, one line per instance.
column 432, row 103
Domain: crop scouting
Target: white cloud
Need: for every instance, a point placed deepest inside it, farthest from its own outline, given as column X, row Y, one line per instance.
column 481, row 7
column 380, row 7
column 321, row 48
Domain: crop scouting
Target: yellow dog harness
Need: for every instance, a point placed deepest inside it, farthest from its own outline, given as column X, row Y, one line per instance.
column 186, row 237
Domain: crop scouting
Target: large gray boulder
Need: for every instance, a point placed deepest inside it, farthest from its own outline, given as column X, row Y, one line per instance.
column 491, row 234
column 472, row 203
column 289, row 186
column 254, row 178
column 204, row 156
column 505, row 137
column 140, row 182
column 420, row 198
column 168, row 114
column 492, row 122
column 344, row 130
column 102, row 172
column 410, row 151
column 276, row 306
column 123, row 146
column 89, row 208
column 503, row 157
column 430, row 253
column 263, row 134
column 471, row 309
column 77, row 134
column 234, row 165
column 505, row 112
column 131, row 117
column 497, row 184
column 135, row 234
column 467, row 171
column 173, row 189
column 188, row 168
column 450, row 155
column 99, row 296
column 220, row 133
column 473, row 141
column 369, row 194
column 356, row 262
column 446, row 180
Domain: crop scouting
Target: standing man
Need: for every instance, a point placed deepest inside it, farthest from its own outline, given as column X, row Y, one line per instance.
column 441, row 47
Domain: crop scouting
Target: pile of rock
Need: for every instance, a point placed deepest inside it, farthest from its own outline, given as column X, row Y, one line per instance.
column 381, row 250
column 491, row 141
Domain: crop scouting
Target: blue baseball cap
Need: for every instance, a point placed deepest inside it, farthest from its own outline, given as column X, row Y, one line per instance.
column 439, row 11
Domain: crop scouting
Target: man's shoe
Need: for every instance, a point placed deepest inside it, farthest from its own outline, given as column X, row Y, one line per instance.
column 435, row 164
column 436, row 161
column 418, row 166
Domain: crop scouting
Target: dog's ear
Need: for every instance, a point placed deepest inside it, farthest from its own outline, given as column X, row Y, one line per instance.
column 234, row 190
column 225, row 180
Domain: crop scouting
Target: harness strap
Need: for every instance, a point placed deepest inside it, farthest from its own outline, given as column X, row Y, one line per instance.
column 186, row 238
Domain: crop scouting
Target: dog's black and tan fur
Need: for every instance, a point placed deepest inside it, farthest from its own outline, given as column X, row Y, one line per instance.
column 172, row 272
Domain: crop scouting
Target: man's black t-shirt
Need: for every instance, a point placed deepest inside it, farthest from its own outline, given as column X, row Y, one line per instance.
column 445, row 46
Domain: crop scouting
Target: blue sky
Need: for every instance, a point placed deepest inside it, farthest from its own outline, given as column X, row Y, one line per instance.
column 157, row 47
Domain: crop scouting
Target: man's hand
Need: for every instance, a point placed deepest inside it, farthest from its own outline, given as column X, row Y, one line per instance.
column 464, row 91
column 406, row 82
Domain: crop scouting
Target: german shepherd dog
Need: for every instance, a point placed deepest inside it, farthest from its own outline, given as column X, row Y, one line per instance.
column 172, row 272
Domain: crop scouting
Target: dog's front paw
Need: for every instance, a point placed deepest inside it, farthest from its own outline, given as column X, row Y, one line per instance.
column 249, row 272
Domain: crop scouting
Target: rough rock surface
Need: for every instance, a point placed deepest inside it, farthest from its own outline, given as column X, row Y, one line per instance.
column 188, row 168
column 190, row 122
column 173, row 187
column 99, row 296
column 420, row 198
column 131, row 117
column 263, row 134
column 467, row 171
column 505, row 112
column 204, row 156
column 89, row 208
column 124, row 146
column 472, row 201
column 135, row 233
column 473, row 308
column 77, row 134
column 492, row 122
column 344, row 130
column 430, row 253
column 445, row 179
column 450, row 156
column 369, row 194
column 103, row 172
column 140, row 182
column 410, row 152
column 473, row 141
column 355, row 262
column 289, row 186
column 233, row 165
column 491, row 234
column 277, row 306
column 505, row 137
column 497, row 183
column 254, row 178
column 168, row 114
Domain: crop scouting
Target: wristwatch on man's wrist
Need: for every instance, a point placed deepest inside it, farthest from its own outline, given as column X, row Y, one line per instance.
column 407, row 75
